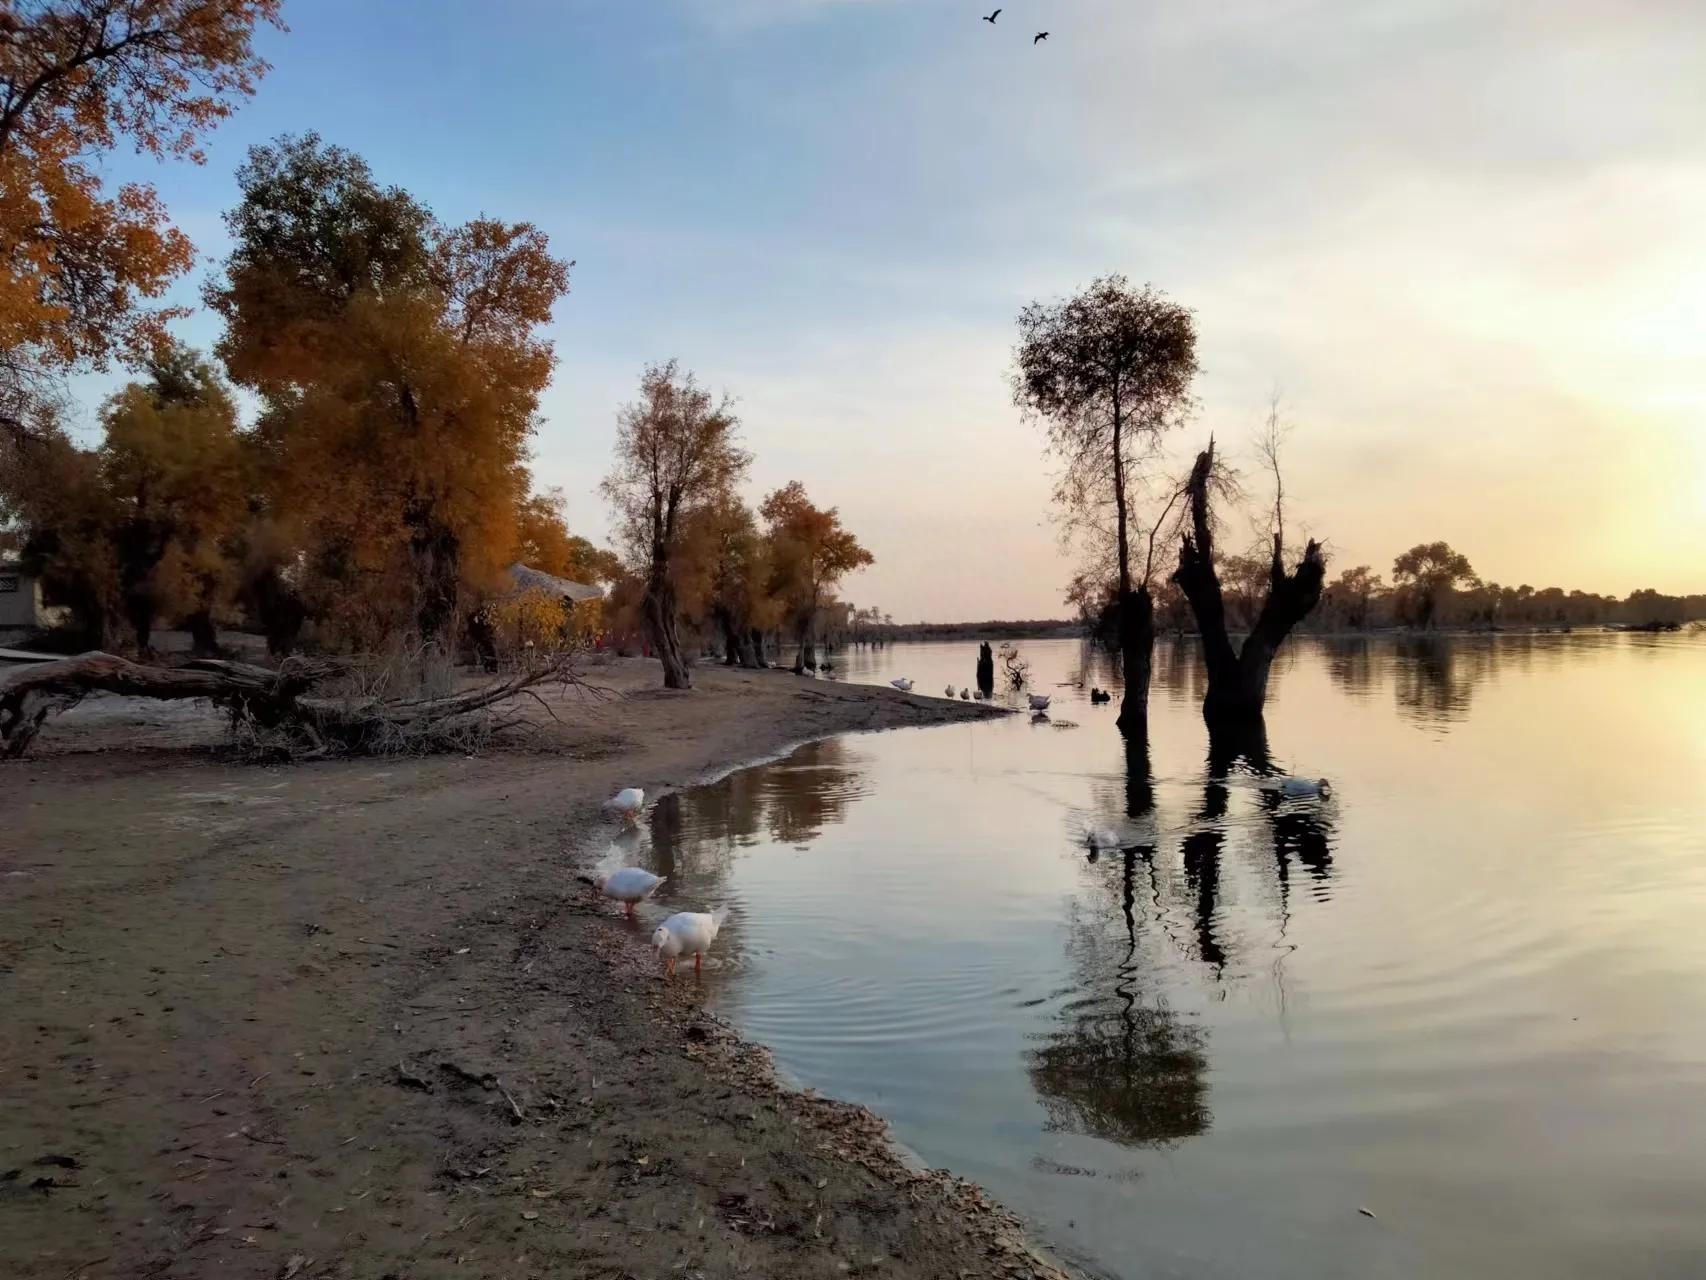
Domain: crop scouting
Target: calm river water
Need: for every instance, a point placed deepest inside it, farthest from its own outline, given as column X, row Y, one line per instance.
column 1467, row 993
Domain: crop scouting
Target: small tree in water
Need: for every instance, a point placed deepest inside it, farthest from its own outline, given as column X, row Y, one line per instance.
column 675, row 455
column 1110, row 372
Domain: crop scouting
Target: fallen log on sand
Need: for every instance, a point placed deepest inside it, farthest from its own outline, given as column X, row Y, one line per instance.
column 283, row 711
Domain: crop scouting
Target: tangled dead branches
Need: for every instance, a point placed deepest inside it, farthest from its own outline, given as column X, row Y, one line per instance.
column 303, row 709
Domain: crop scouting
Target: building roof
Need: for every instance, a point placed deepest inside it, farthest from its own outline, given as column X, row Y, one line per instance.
column 527, row 579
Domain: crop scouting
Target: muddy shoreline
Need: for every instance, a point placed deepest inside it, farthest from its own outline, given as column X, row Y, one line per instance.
column 357, row 1019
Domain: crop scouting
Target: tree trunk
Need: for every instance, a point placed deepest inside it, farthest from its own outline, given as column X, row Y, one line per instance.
column 273, row 603
column 1290, row 599
column 758, row 658
column 1137, row 652
column 659, row 609
column 204, row 636
column 1238, row 681
column 1199, row 582
column 737, row 641
column 985, row 669
column 727, row 629
column 805, row 657
column 437, row 554
column 139, row 612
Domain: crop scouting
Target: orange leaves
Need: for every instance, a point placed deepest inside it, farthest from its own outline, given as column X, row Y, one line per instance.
column 76, row 263
column 499, row 279
column 400, row 365
column 78, row 74
column 810, row 550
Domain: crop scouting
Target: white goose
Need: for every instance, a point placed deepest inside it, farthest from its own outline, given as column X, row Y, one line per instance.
column 685, row 931
column 628, row 803
column 965, row 694
column 1304, row 788
column 949, row 692
column 903, row 684
column 1039, row 701
column 628, row 885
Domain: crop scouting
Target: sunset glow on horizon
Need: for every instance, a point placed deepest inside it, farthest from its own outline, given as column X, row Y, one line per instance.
column 1463, row 240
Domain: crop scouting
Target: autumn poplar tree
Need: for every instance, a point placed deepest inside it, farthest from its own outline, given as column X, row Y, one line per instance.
column 810, row 551
column 55, row 502
column 725, row 579
column 1109, row 372
column 81, row 264
column 676, row 454
column 399, row 363
column 172, row 467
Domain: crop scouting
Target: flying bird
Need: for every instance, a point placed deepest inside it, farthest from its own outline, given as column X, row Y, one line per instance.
column 1039, row 37
column 693, row 931
column 990, row 18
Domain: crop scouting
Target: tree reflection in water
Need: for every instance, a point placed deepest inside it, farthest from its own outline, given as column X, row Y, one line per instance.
column 1123, row 1065
column 696, row 833
column 1435, row 677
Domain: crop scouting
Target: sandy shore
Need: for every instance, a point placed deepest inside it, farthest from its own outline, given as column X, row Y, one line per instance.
column 356, row 1020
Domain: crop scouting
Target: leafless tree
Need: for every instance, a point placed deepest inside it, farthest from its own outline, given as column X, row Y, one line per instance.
column 1238, row 677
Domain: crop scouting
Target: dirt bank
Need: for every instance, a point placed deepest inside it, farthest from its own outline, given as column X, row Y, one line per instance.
column 356, row 1020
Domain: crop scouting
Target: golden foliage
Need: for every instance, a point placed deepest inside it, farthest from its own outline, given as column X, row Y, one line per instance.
column 77, row 263
column 535, row 619
column 543, row 542
column 810, row 552
column 173, row 470
column 400, row 368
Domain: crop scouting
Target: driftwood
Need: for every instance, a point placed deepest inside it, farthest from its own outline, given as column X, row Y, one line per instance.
column 284, row 711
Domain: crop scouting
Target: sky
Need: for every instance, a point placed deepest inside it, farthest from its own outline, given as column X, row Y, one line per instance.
column 1465, row 241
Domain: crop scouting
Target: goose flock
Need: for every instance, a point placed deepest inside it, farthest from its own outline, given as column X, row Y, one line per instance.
column 685, row 932
column 694, row 932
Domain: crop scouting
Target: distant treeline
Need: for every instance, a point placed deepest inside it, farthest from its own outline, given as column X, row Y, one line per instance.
column 1025, row 629
column 1433, row 587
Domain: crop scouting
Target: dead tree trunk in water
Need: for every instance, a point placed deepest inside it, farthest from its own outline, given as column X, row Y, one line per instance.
column 1238, row 679
column 985, row 669
column 1137, row 652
